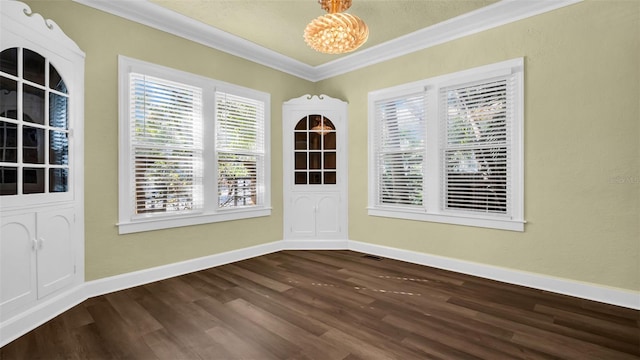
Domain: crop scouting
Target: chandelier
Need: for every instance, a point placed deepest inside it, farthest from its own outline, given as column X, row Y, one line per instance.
column 336, row 32
column 322, row 128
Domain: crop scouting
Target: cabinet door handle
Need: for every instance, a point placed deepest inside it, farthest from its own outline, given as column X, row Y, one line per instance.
column 34, row 244
column 40, row 244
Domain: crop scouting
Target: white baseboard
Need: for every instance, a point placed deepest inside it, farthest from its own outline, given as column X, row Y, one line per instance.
column 315, row 244
column 28, row 320
column 22, row 323
column 46, row 310
column 613, row 296
column 136, row 278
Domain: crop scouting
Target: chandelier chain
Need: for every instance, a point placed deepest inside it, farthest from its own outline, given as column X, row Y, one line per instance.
column 334, row 6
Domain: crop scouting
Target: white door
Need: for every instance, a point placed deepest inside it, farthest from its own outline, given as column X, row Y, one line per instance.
column 17, row 261
column 56, row 263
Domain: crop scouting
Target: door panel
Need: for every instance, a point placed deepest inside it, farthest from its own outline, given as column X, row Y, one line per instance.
column 17, row 261
column 55, row 250
column 328, row 215
column 303, row 215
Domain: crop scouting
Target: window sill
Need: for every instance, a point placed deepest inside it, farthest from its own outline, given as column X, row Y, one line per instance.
column 457, row 219
column 167, row 222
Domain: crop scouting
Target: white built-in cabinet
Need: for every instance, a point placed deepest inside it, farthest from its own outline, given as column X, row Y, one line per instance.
column 41, row 160
column 36, row 255
column 315, row 169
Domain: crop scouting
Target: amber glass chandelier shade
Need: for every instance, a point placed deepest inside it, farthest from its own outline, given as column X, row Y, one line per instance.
column 336, row 33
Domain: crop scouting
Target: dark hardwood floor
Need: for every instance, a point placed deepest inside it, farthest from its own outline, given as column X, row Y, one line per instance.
column 332, row 305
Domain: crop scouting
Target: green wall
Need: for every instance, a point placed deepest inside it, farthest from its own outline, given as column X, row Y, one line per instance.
column 582, row 156
column 582, row 135
column 103, row 37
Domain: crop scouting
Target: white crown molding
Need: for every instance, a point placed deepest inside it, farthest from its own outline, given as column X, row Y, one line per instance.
column 158, row 17
column 492, row 16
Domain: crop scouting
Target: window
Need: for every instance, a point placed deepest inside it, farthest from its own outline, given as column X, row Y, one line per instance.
column 449, row 149
column 193, row 150
column 399, row 142
column 475, row 146
column 239, row 150
column 165, row 120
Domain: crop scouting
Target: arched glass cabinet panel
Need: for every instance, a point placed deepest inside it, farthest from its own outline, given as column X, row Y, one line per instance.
column 315, row 151
column 34, row 130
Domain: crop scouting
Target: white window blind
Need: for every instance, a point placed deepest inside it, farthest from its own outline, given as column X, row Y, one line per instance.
column 400, row 150
column 453, row 153
column 476, row 152
column 240, row 149
column 191, row 148
column 166, row 145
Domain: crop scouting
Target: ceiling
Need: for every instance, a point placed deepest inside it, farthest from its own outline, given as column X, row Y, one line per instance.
column 278, row 24
column 269, row 32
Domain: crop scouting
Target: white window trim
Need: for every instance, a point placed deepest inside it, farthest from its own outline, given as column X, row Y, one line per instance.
column 431, row 210
column 128, row 222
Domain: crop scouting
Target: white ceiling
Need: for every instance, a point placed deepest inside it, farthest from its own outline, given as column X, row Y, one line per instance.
column 278, row 24
column 269, row 32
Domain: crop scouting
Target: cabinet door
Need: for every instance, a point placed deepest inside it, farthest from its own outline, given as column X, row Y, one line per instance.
column 303, row 215
column 17, row 261
column 328, row 216
column 56, row 263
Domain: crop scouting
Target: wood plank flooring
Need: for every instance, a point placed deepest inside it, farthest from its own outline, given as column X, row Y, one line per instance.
column 332, row 305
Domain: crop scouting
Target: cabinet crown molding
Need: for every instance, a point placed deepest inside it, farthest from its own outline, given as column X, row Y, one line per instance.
column 20, row 16
column 322, row 99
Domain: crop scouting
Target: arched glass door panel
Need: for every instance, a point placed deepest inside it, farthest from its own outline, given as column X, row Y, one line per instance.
column 34, row 125
column 315, row 151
